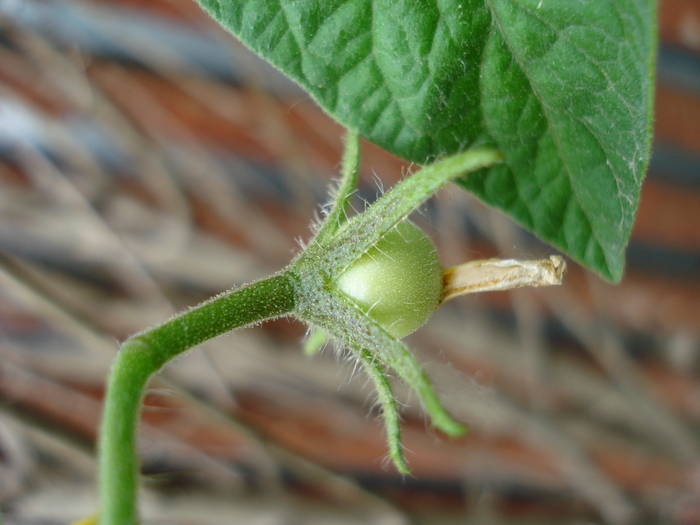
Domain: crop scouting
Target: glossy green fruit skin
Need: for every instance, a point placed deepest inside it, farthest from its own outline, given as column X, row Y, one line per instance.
column 398, row 282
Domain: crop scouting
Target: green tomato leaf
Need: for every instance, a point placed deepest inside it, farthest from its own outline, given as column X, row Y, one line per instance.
column 567, row 94
column 563, row 88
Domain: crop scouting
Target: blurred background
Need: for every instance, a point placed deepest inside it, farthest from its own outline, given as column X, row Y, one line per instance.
column 148, row 161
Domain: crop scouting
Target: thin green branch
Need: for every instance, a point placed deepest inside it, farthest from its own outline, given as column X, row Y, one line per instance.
column 390, row 411
column 346, row 187
column 144, row 354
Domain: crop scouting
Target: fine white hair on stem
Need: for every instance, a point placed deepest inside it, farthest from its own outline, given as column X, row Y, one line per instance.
column 379, row 183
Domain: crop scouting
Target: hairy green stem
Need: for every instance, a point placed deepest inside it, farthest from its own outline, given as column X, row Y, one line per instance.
column 346, row 187
column 144, row 354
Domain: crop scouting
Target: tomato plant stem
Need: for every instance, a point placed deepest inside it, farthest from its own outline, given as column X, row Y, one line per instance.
column 144, row 354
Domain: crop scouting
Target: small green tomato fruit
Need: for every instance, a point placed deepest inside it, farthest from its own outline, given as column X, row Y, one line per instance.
column 397, row 282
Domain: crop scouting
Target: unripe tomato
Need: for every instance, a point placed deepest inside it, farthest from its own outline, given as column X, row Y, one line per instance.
column 397, row 282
